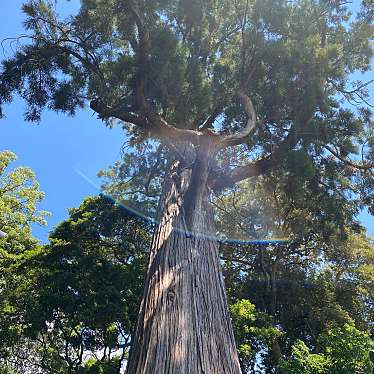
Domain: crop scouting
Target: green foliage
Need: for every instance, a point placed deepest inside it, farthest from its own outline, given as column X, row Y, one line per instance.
column 243, row 316
column 343, row 350
column 198, row 53
column 301, row 296
column 348, row 350
column 295, row 60
column 136, row 180
column 80, row 293
column 253, row 331
column 6, row 370
column 304, row 362
column 19, row 197
column 316, row 281
column 93, row 366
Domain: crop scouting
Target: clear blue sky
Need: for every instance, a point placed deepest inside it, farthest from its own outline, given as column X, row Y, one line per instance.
column 62, row 148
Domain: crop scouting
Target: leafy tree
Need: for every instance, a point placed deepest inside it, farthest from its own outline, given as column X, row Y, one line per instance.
column 344, row 350
column 305, row 285
column 78, row 296
column 302, row 361
column 348, row 350
column 93, row 366
column 233, row 90
column 19, row 197
column 254, row 333
column 5, row 370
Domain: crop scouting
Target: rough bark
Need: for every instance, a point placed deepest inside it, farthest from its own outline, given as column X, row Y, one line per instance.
column 184, row 325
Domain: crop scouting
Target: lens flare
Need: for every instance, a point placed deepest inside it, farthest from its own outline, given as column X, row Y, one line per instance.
column 262, row 243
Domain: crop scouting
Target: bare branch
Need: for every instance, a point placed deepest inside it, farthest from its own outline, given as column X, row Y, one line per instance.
column 104, row 112
column 348, row 161
column 357, row 91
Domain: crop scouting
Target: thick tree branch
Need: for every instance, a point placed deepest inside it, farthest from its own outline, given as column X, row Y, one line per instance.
column 151, row 122
column 163, row 130
column 240, row 173
column 105, row 112
column 241, row 136
column 258, row 167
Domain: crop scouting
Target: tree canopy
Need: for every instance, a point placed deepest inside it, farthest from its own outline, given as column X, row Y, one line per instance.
column 273, row 76
column 78, row 295
column 20, row 195
column 71, row 305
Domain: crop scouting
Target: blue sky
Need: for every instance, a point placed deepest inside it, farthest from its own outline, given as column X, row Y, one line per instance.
column 61, row 149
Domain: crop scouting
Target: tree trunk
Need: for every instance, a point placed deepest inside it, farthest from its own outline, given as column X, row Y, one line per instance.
column 183, row 324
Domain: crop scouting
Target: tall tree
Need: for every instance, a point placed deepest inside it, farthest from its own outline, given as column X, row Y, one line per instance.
column 233, row 90
column 19, row 199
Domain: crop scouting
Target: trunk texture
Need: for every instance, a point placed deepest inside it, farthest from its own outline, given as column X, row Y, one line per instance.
column 184, row 325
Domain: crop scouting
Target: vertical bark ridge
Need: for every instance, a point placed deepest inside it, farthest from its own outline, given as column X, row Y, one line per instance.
column 183, row 324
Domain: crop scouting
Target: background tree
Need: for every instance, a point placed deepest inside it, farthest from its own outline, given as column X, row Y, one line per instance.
column 344, row 350
column 71, row 305
column 77, row 297
column 201, row 78
column 306, row 285
column 19, row 197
